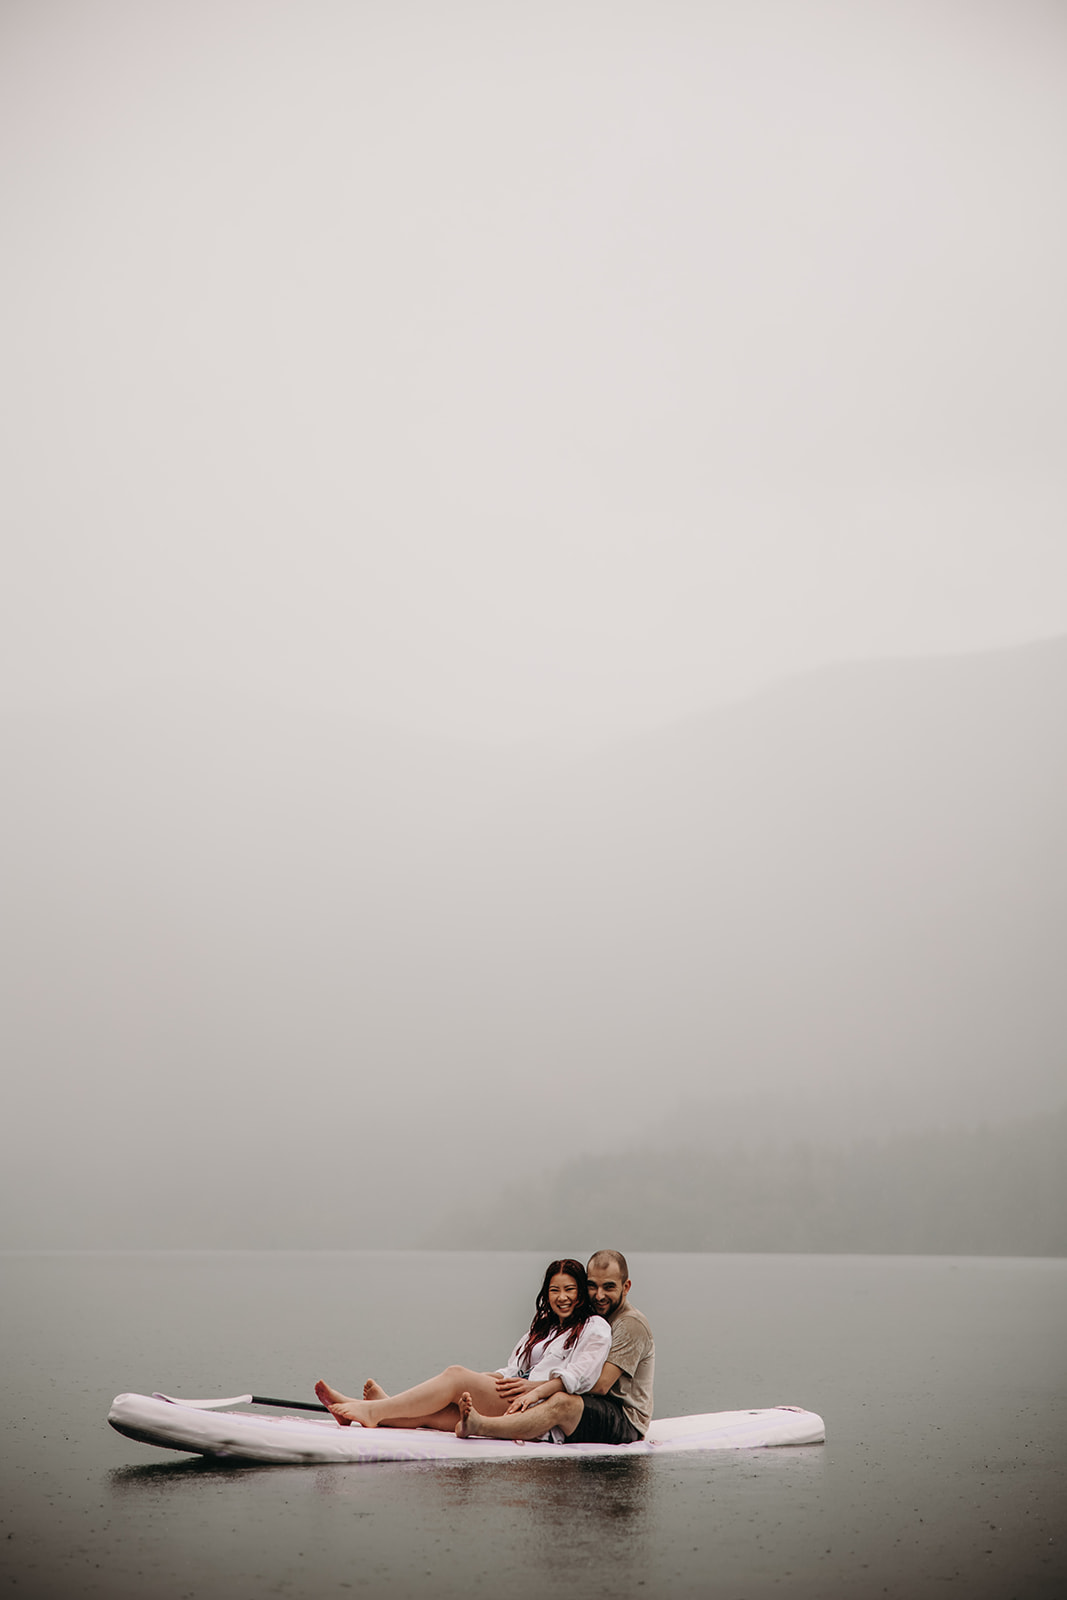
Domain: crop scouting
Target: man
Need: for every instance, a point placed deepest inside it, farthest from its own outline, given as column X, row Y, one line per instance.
column 617, row 1410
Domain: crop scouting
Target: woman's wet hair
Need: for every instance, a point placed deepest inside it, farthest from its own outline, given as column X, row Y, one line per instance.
column 545, row 1320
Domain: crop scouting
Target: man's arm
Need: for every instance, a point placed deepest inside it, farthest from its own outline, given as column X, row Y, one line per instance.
column 609, row 1372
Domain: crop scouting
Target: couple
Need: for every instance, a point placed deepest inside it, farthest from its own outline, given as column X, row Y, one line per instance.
column 582, row 1373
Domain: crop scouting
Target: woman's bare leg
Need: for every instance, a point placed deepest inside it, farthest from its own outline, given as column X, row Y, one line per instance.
column 432, row 1404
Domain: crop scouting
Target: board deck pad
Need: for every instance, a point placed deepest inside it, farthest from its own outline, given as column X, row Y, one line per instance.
column 251, row 1436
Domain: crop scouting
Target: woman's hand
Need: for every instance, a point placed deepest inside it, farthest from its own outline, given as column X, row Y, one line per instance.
column 525, row 1402
column 512, row 1388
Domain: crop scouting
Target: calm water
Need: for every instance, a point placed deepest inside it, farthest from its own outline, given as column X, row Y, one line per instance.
column 942, row 1383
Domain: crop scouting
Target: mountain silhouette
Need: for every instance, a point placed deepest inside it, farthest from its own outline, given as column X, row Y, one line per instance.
column 835, row 909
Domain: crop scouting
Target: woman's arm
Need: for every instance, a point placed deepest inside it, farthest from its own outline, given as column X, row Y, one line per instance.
column 511, row 1370
column 579, row 1367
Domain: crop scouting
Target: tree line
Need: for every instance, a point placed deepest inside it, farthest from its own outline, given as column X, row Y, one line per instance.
column 987, row 1190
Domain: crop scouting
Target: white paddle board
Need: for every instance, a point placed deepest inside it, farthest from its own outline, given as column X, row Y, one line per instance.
column 250, row 1436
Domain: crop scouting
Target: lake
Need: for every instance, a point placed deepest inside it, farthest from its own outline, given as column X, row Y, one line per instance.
column 942, row 1382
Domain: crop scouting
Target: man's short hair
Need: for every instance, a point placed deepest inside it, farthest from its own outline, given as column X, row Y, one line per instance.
column 599, row 1258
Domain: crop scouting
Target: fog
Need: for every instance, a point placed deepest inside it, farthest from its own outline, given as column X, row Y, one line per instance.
column 534, row 621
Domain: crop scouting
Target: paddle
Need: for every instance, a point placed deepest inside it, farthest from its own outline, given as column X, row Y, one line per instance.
column 240, row 1400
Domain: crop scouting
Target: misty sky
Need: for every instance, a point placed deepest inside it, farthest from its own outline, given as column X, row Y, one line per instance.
column 521, row 370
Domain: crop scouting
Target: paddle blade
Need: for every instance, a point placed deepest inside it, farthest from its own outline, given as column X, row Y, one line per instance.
column 204, row 1405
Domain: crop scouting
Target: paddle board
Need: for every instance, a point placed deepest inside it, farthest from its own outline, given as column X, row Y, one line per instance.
column 251, row 1436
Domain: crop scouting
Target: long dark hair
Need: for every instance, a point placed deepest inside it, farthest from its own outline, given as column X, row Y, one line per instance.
column 545, row 1320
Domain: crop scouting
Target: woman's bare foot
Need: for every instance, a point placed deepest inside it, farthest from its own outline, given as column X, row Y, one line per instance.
column 373, row 1391
column 342, row 1407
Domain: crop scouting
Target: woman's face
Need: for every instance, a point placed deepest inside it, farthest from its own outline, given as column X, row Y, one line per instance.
column 562, row 1294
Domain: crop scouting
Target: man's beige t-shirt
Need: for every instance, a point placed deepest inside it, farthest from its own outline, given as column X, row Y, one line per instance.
column 634, row 1353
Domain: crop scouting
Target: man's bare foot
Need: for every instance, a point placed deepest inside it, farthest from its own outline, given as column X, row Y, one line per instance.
column 467, row 1426
column 373, row 1391
column 341, row 1407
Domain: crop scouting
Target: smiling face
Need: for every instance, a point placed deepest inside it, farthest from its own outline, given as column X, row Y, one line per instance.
column 562, row 1294
column 607, row 1287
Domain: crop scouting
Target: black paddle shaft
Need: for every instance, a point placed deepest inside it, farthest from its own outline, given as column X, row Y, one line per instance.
column 292, row 1405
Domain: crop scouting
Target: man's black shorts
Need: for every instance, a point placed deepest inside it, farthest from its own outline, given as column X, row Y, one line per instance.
column 603, row 1422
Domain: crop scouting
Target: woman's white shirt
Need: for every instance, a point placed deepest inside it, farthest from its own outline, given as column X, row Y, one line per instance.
column 577, row 1368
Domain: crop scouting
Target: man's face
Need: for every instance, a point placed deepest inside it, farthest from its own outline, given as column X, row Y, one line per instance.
column 607, row 1289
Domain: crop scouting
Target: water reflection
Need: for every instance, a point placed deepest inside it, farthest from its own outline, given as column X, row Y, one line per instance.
column 616, row 1489
column 127, row 1480
column 542, row 1516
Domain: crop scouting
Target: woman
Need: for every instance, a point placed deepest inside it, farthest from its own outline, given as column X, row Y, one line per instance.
column 565, row 1348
